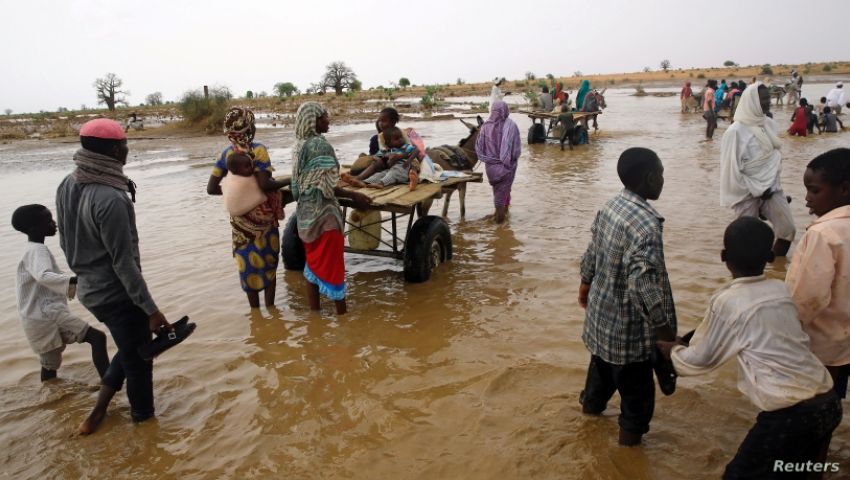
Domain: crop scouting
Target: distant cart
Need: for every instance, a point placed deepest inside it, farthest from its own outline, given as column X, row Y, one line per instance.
column 426, row 240
column 578, row 117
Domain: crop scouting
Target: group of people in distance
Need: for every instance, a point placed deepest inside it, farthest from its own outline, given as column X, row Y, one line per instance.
column 791, row 340
column 805, row 119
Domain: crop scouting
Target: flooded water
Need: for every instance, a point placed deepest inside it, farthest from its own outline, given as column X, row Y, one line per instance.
column 474, row 374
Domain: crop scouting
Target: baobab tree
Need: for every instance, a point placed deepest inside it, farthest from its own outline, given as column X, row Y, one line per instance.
column 339, row 77
column 109, row 91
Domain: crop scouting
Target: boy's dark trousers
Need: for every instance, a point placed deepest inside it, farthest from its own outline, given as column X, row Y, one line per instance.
column 129, row 327
column 795, row 434
column 634, row 382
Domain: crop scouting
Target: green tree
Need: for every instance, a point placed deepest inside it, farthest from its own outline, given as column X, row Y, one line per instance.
column 403, row 82
column 249, row 94
column 285, row 89
column 109, row 91
column 665, row 65
column 729, row 63
column 8, row 111
column 339, row 77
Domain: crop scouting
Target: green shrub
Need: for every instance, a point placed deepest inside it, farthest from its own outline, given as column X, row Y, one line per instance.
column 827, row 68
column 206, row 112
column 766, row 70
column 701, row 75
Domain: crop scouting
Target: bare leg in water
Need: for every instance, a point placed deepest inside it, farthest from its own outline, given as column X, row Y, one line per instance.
column 98, row 413
column 313, row 299
column 269, row 293
column 253, row 299
column 501, row 213
column 99, row 357
column 312, row 295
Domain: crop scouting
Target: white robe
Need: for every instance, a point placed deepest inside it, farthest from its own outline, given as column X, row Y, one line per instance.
column 750, row 160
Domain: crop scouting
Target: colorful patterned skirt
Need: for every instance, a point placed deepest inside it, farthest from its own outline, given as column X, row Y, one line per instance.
column 325, row 265
column 256, row 245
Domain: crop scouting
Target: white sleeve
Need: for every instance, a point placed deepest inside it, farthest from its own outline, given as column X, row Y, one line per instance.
column 39, row 264
column 715, row 341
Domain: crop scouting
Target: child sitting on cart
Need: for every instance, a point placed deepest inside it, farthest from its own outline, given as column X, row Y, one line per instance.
column 397, row 165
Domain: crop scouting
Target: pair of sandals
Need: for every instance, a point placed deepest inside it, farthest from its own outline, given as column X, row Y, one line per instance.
column 165, row 339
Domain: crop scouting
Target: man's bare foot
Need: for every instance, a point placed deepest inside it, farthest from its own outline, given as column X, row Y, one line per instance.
column 414, row 180
column 93, row 421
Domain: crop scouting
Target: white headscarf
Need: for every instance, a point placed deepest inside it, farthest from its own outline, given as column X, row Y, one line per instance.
column 741, row 176
column 750, row 113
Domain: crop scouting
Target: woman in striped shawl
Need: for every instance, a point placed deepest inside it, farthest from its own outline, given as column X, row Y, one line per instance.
column 315, row 179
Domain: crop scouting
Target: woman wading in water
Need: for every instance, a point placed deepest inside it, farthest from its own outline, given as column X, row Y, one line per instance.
column 256, row 240
column 315, row 185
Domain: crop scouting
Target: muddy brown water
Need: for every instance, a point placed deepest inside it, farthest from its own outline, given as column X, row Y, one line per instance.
column 474, row 374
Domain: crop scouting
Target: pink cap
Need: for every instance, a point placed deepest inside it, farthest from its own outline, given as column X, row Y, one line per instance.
column 103, row 128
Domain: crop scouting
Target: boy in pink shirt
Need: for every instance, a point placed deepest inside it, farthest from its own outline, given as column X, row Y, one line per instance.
column 819, row 276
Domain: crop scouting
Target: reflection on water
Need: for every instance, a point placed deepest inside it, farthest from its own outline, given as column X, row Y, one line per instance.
column 474, row 374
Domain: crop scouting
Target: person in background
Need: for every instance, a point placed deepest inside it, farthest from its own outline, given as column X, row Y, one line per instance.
column 830, row 121
column 750, row 167
column 583, row 90
column 708, row 111
column 97, row 232
column 499, row 146
column 545, row 101
column 835, row 98
column 800, row 120
column 496, row 92
column 684, row 95
column 754, row 320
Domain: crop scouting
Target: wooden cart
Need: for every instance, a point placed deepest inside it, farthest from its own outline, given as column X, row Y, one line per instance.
column 425, row 242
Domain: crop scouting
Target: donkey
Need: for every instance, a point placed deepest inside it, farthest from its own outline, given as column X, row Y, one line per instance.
column 597, row 98
column 778, row 93
column 460, row 157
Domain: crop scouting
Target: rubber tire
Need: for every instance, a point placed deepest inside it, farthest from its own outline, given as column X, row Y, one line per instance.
column 427, row 233
column 536, row 134
column 291, row 247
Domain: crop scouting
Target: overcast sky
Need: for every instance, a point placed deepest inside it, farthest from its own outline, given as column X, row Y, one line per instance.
column 53, row 50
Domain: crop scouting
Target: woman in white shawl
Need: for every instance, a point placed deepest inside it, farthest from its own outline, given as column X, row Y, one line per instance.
column 750, row 164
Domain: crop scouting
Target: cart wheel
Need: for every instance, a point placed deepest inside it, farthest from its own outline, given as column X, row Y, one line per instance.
column 291, row 248
column 428, row 244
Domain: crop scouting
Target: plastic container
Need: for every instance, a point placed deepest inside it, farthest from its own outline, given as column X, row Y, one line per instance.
column 365, row 229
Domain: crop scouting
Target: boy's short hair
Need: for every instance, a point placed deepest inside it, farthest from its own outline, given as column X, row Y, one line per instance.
column 822, row 99
column 23, row 219
column 634, row 164
column 391, row 132
column 545, row 89
column 748, row 244
column 835, row 165
column 827, row 110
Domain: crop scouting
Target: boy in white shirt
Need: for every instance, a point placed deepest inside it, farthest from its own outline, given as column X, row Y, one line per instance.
column 42, row 290
column 754, row 319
